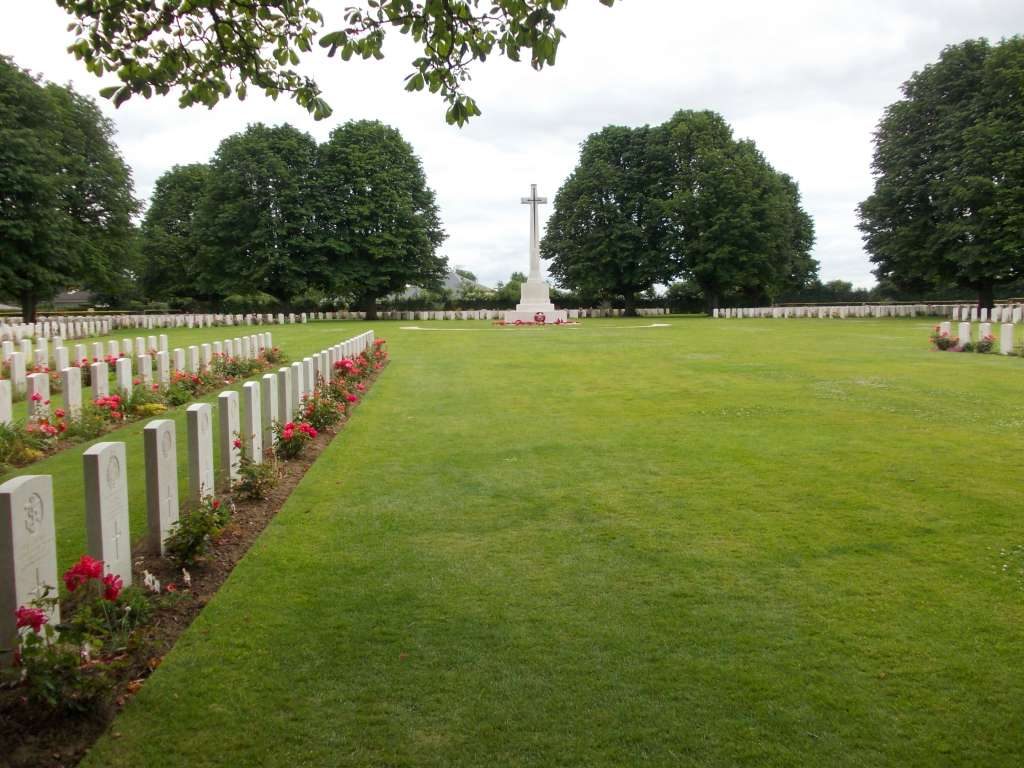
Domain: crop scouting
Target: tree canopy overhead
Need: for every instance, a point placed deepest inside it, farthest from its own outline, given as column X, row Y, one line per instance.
column 948, row 204
column 210, row 48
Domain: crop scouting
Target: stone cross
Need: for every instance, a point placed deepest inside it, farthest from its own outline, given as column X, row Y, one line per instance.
column 161, row 451
column 106, row 508
column 534, row 201
column 199, row 419
column 28, row 551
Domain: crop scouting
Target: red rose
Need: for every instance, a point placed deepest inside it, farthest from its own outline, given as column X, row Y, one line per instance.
column 30, row 617
column 113, row 586
column 237, row 442
column 215, row 503
column 86, row 568
column 59, row 413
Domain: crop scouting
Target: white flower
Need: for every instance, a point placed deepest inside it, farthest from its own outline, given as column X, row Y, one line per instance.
column 186, row 577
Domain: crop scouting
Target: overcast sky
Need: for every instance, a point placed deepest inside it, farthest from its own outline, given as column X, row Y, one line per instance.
column 807, row 81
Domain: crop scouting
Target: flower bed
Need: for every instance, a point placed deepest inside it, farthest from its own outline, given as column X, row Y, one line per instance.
column 69, row 685
column 42, row 434
column 942, row 341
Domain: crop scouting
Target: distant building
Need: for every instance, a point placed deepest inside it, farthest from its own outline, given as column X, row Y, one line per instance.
column 453, row 283
column 74, row 299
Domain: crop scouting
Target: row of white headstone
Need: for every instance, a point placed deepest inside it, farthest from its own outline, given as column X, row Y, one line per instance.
column 965, row 334
column 13, row 329
column 498, row 314
column 28, row 544
column 1001, row 313
column 144, row 353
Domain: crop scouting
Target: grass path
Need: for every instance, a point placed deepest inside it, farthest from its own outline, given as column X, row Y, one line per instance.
column 720, row 543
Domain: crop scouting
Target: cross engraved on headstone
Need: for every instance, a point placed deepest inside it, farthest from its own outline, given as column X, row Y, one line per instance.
column 117, row 540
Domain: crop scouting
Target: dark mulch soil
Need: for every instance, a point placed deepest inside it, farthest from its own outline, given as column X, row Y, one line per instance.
column 30, row 739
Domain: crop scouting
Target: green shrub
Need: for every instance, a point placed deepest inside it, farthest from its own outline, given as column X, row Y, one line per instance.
column 190, row 538
column 255, row 480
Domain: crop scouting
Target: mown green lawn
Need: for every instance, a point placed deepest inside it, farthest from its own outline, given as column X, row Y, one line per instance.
column 295, row 341
column 759, row 543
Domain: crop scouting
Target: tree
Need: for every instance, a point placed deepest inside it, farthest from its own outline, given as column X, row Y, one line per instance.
column 604, row 235
column 65, row 192
column 733, row 224
column 202, row 47
column 172, row 268
column 507, row 295
column 378, row 223
column 256, row 221
column 465, row 273
column 948, row 203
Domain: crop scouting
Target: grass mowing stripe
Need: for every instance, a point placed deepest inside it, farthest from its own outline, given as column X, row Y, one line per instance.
column 721, row 543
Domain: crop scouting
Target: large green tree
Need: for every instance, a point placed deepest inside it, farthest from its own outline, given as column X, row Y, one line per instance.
column 604, row 235
column 65, row 193
column 948, row 203
column 733, row 224
column 378, row 227
column 206, row 48
column 172, row 268
column 256, row 219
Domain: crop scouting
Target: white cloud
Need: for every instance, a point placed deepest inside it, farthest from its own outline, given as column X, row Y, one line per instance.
column 805, row 80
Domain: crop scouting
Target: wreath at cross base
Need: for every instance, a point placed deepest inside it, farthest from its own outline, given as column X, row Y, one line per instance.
column 540, row 317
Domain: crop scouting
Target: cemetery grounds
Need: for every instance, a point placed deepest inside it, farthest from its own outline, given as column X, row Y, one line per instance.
column 731, row 542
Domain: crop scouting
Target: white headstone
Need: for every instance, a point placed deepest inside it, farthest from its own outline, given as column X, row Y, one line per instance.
column 1006, row 338
column 6, row 402
column 18, row 380
column 60, row 358
column 297, row 386
column 268, row 407
column 308, row 376
column 39, row 394
column 144, row 365
column 123, row 376
column 285, row 398
column 28, row 550
column 227, row 412
column 71, row 381
column 199, row 419
column 193, row 359
column 98, row 373
column 161, row 449
column 108, row 537
column 964, row 333
column 163, row 369
column 179, row 359
column 251, row 428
